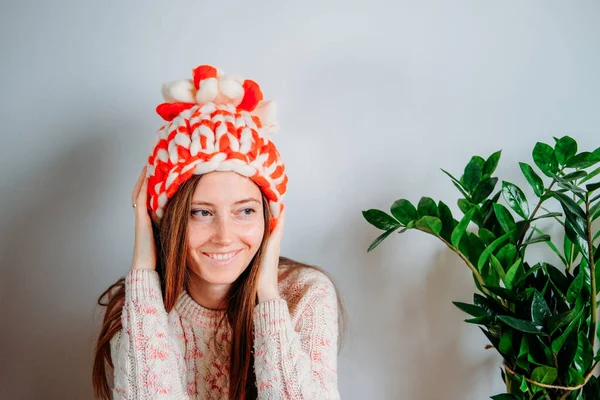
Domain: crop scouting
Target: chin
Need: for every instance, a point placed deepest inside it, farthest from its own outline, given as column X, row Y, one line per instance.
column 218, row 277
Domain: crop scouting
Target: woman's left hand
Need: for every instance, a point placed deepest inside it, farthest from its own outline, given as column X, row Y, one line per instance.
column 268, row 273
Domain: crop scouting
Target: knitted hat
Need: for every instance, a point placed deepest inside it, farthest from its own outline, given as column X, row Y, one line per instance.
column 215, row 122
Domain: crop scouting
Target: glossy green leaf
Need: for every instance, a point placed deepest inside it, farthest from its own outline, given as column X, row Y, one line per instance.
column 514, row 273
column 484, row 189
column 524, row 387
column 457, row 184
column 380, row 219
column 594, row 210
column 559, row 341
column 557, row 321
column 551, row 245
column 492, row 247
column 497, row 266
column 585, row 354
column 380, row 239
column 521, row 325
column 465, row 205
column 573, row 176
column 431, row 225
column 590, row 175
column 505, row 345
column 569, row 205
column 534, row 179
column 504, row 396
column 540, row 311
column 544, row 374
column 486, row 236
column 583, row 160
column 504, row 217
column 404, row 211
column 515, row 198
column 448, row 221
column 491, row 163
column 461, row 228
column 543, row 238
column 569, row 350
column 557, row 277
column 507, row 255
column 575, row 288
column 473, row 173
column 575, row 378
column 427, row 207
column 592, row 186
column 470, row 309
column 577, row 238
column 565, row 148
column 545, row 159
column 548, row 215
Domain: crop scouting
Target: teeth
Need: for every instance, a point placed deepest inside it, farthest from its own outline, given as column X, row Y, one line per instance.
column 221, row 256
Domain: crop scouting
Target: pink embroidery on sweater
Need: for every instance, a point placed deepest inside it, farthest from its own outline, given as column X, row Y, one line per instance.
column 175, row 356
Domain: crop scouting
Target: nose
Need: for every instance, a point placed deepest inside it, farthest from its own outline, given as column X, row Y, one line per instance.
column 223, row 234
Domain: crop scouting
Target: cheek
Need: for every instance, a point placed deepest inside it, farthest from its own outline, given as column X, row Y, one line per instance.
column 253, row 234
column 248, row 233
column 197, row 237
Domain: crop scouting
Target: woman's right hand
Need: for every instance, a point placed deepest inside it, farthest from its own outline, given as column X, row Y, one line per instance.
column 144, row 250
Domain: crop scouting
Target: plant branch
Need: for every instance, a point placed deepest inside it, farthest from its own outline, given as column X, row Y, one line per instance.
column 535, row 210
column 569, row 388
column 471, row 267
column 592, row 332
column 571, row 258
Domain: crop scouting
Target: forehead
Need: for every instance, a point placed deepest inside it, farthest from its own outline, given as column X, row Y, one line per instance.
column 225, row 187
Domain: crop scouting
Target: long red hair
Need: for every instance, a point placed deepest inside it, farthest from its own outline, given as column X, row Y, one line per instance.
column 171, row 239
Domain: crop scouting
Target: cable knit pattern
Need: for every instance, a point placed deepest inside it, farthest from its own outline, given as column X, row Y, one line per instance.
column 175, row 356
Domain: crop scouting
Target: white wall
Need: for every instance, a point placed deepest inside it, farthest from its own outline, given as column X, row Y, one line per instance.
column 374, row 98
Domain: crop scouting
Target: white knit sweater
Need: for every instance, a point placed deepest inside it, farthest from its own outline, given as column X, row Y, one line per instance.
column 174, row 356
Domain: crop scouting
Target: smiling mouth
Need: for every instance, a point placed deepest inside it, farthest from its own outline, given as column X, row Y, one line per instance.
column 222, row 259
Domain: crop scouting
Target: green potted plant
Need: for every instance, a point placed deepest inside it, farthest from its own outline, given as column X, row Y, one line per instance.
column 540, row 317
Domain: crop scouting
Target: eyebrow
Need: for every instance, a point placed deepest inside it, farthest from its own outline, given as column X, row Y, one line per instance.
column 205, row 203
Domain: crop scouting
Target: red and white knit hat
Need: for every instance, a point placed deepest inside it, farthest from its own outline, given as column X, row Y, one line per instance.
column 215, row 122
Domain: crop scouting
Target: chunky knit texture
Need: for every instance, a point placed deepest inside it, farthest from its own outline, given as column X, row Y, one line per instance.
column 215, row 122
column 175, row 356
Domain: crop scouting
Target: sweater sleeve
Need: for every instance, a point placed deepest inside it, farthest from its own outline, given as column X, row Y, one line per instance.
column 148, row 351
column 297, row 362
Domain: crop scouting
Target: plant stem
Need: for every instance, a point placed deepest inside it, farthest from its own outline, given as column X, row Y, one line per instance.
column 592, row 332
column 571, row 258
column 565, row 395
column 535, row 210
column 471, row 267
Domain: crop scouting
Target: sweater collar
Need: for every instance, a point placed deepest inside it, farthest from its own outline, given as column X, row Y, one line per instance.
column 204, row 317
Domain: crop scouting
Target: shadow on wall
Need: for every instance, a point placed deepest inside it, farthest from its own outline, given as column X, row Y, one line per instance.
column 49, row 244
column 440, row 368
column 418, row 339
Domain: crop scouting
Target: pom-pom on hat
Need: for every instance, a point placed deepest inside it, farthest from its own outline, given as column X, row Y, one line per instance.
column 215, row 122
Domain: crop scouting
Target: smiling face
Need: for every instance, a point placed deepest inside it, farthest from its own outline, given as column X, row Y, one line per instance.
column 226, row 227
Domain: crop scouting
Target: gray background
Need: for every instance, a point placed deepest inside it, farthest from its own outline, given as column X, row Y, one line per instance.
column 374, row 98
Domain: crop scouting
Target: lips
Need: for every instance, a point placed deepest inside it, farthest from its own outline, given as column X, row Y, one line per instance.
column 221, row 262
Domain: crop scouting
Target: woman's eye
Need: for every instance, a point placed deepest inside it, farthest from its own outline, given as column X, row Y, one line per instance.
column 201, row 213
column 248, row 211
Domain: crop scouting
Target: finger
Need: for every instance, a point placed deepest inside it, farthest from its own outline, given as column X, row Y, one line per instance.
column 278, row 231
column 143, row 194
column 138, row 185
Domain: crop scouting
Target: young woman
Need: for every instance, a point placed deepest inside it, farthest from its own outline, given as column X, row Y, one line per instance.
column 209, row 309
